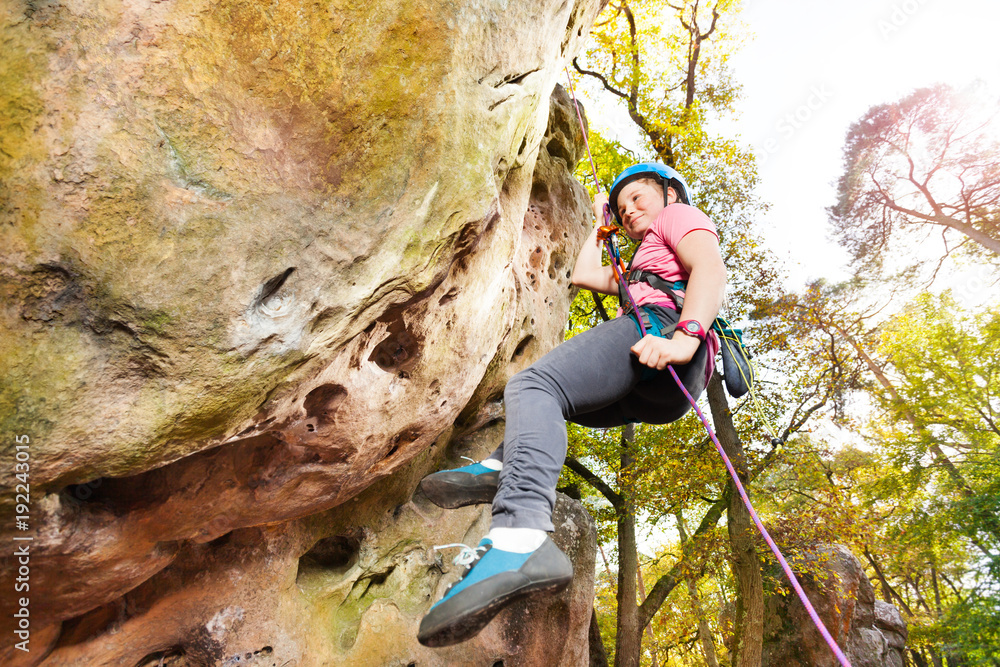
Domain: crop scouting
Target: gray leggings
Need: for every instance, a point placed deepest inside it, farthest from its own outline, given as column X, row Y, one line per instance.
column 592, row 380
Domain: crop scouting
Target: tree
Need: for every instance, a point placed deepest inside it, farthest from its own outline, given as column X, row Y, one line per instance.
column 923, row 505
column 923, row 166
column 946, row 368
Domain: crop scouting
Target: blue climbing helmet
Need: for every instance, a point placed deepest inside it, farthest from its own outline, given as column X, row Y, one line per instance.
column 661, row 172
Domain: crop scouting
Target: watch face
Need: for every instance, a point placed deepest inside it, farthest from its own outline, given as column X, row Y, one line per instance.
column 691, row 326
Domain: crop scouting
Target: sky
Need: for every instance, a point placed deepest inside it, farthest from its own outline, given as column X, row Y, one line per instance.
column 810, row 69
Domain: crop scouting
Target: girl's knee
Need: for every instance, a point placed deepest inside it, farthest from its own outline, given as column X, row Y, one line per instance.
column 528, row 379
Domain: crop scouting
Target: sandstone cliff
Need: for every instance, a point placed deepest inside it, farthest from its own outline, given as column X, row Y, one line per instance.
column 262, row 267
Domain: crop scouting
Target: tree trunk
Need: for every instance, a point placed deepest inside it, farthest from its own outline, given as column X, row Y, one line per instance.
column 889, row 593
column 598, row 656
column 704, row 632
column 628, row 638
column 648, row 628
column 748, row 624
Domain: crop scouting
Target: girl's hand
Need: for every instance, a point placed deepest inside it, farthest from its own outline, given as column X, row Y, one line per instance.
column 600, row 199
column 657, row 352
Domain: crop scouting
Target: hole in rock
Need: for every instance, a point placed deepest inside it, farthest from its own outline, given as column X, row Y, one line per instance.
column 272, row 285
column 91, row 624
column 521, row 347
column 449, row 296
column 322, row 403
column 399, row 440
column 310, row 428
column 221, row 540
column 524, row 144
column 491, row 108
column 539, row 192
column 515, row 78
column 380, row 578
column 172, row 657
column 560, row 149
column 395, row 351
column 469, row 237
column 556, row 263
column 337, row 552
column 86, row 492
column 400, row 351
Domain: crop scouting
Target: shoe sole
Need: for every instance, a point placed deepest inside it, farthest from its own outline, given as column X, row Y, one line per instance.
column 452, row 496
column 471, row 623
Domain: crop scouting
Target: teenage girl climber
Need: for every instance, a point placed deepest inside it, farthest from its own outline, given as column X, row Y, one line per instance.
column 596, row 379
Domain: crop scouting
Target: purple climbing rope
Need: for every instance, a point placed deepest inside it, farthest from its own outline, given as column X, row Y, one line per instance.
column 694, row 404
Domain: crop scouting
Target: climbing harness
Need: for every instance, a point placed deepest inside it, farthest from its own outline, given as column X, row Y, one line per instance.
column 622, row 281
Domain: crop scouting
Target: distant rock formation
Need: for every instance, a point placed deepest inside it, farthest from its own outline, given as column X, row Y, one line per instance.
column 871, row 633
column 263, row 267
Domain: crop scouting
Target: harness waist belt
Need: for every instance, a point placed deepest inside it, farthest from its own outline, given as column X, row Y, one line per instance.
column 655, row 281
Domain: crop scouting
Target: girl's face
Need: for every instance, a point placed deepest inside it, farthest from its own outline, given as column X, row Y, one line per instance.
column 639, row 203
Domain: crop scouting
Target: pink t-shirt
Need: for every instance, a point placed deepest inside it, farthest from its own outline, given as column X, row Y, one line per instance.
column 656, row 255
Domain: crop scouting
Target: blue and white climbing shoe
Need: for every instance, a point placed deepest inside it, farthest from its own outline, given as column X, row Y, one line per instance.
column 468, row 485
column 495, row 579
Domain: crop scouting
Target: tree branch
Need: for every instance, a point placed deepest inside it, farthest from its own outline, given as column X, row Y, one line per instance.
column 665, row 584
column 599, row 484
column 599, row 305
column 600, row 77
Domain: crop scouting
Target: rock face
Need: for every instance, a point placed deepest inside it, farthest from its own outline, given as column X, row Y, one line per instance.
column 870, row 632
column 539, row 631
column 262, row 268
